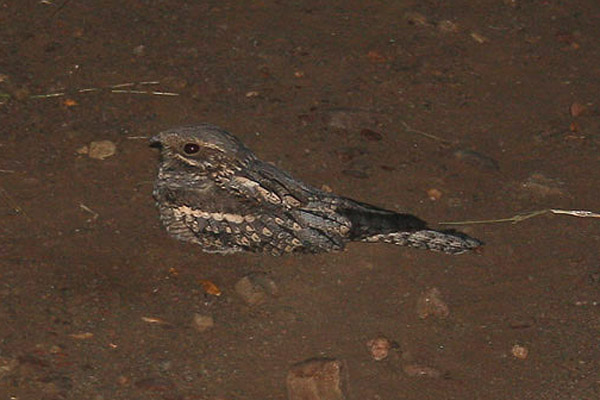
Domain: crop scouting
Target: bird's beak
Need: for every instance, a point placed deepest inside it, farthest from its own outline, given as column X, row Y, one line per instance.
column 155, row 141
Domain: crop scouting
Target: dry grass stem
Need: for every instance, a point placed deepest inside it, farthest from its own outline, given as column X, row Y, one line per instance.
column 132, row 91
column 118, row 88
column 85, row 208
column 523, row 216
column 408, row 128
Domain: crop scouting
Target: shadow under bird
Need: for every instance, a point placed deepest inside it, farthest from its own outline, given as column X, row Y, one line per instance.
column 213, row 191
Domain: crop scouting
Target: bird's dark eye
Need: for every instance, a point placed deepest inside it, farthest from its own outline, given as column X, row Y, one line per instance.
column 191, row 148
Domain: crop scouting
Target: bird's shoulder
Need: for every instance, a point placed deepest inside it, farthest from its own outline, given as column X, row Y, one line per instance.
column 270, row 185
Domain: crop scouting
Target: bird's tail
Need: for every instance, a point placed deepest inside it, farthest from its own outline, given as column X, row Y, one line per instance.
column 447, row 242
column 373, row 224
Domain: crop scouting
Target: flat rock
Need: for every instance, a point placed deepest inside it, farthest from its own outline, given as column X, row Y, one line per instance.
column 202, row 322
column 255, row 289
column 316, row 379
column 101, row 149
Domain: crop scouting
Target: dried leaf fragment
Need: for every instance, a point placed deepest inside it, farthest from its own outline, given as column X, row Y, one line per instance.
column 209, row 287
column 70, row 103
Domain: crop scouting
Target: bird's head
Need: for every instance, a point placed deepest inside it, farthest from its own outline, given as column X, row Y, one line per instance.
column 203, row 146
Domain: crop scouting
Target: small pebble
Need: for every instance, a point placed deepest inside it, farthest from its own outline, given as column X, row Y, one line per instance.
column 434, row 194
column 379, row 348
column 520, row 352
column 101, row 149
column 203, row 323
column 430, row 303
column 254, row 289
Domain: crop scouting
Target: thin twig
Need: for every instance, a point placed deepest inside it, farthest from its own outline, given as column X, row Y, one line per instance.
column 523, row 216
column 85, row 208
column 122, row 85
column 130, row 84
column 576, row 213
column 132, row 91
column 88, row 90
column 156, row 321
column 407, row 128
column 47, row 95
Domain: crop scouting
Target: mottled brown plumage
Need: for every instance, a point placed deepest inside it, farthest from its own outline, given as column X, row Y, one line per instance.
column 213, row 191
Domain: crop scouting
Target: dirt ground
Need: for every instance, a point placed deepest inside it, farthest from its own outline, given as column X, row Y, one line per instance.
column 453, row 111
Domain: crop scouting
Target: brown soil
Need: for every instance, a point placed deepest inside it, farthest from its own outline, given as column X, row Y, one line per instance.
column 97, row 302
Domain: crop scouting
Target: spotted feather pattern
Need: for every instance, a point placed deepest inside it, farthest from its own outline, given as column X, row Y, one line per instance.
column 213, row 191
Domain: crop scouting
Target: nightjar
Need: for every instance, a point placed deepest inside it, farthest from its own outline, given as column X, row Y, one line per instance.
column 213, row 191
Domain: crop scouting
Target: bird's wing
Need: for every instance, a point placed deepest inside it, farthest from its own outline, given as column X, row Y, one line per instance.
column 270, row 185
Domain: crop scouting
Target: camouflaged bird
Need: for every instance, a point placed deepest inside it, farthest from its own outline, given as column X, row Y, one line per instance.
column 213, row 191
